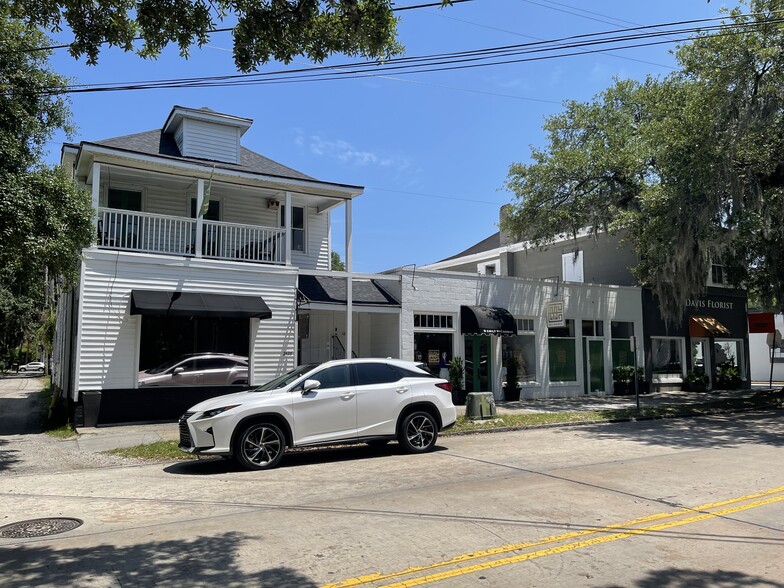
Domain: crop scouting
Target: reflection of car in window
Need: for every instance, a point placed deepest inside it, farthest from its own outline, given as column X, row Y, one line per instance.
column 203, row 369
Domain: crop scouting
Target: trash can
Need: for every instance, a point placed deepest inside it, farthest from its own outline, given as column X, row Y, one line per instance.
column 91, row 403
column 480, row 405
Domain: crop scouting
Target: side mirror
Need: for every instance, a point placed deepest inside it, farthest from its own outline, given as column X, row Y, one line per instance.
column 178, row 370
column 310, row 385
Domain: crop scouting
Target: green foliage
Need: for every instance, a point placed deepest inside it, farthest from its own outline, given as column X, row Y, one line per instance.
column 728, row 377
column 696, row 381
column 337, row 264
column 456, row 373
column 44, row 219
column 623, row 374
column 262, row 31
column 687, row 168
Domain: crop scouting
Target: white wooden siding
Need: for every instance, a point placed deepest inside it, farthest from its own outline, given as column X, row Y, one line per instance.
column 317, row 254
column 108, row 336
column 210, row 141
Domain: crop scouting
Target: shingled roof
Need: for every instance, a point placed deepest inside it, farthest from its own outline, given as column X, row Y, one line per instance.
column 162, row 144
column 488, row 244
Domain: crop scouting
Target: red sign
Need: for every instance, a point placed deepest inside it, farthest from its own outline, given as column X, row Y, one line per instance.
column 761, row 322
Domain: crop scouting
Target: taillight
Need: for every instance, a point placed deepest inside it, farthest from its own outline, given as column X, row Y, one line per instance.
column 445, row 386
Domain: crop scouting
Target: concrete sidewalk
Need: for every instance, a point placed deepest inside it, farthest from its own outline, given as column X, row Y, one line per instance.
column 106, row 437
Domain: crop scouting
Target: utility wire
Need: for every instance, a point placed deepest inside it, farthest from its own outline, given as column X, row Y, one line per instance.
column 438, row 62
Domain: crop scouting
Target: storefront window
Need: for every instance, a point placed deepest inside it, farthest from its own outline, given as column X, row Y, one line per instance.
column 667, row 359
column 522, row 348
column 729, row 353
column 434, row 350
column 621, row 333
column 562, row 353
column 193, row 351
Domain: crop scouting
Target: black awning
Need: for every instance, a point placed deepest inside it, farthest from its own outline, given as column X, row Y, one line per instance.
column 486, row 320
column 163, row 303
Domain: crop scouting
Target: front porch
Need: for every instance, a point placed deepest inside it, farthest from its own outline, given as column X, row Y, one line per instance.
column 146, row 232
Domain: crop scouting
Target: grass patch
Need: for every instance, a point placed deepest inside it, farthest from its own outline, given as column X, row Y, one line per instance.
column 158, row 451
column 52, row 420
column 765, row 399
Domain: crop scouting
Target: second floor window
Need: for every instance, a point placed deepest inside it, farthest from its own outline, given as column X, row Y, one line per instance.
column 297, row 227
column 717, row 274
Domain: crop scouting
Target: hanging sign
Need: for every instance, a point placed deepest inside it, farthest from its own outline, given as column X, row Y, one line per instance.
column 761, row 322
column 555, row 314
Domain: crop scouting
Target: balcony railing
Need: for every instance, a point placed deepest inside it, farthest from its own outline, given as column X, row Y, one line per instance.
column 157, row 233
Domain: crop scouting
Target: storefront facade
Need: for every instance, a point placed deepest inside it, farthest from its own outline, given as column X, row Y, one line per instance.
column 489, row 321
column 711, row 338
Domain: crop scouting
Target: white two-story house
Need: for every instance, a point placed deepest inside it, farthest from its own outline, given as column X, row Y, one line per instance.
column 210, row 272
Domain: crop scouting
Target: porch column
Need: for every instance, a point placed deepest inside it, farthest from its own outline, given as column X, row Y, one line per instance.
column 349, row 293
column 289, row 215
column 96, row 193
column 199, row 218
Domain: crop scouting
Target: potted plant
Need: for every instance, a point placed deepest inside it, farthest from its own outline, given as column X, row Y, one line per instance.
column 695, row 382
column 456, row 379
column 728, row 377
column 511, row 390
column 623, row 380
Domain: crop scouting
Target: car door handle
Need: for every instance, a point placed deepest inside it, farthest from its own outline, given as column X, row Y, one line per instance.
column 347, row 396
column 402, row 390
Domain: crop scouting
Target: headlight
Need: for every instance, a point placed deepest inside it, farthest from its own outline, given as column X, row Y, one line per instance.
column 208, row 414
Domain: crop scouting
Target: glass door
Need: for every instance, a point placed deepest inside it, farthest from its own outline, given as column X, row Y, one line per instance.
column 478, row 368
column 595, row 366
column 700, row 357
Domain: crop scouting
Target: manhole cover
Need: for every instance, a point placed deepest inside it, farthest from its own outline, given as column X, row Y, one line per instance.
column 39, row 528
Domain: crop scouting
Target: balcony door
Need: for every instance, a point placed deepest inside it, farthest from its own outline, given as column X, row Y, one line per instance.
column 122, row 230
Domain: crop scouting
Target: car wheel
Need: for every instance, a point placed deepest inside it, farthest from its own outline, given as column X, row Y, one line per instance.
column 22, row 369
column 260, row 446
column 418, row 432
column 41, row 370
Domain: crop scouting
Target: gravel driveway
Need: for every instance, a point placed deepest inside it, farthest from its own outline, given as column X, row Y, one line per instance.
column 24, row 449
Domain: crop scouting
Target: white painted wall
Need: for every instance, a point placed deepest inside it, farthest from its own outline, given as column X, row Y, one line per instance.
column 108, row 337
column 374, row 334
column 759, row 356
column 445, row 292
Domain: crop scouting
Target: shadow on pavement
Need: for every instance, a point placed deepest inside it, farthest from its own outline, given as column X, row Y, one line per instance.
column 699, row 433
column 292, row 458
column 680, row 578
column 8, row 457
column 203, row 561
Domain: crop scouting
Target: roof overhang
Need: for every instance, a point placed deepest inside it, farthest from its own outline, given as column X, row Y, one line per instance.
column 206, row 169
column 324, row 290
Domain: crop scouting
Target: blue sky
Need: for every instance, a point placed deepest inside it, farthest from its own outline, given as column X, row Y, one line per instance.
column 431, row 149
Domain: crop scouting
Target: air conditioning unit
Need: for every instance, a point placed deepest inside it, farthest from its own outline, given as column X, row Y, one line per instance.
column 273, row 204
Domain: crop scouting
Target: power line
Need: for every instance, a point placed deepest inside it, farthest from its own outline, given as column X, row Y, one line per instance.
column 503, row 55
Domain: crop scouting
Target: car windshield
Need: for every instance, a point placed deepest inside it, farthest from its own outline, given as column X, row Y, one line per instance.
column 285, row 379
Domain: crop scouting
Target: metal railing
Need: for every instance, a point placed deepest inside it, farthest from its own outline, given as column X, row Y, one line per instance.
column 158, row 233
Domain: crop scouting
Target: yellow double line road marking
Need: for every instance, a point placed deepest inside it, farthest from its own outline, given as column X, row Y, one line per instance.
column 604, row 535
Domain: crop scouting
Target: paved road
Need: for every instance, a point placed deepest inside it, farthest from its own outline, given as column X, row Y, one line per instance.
column 653, row 504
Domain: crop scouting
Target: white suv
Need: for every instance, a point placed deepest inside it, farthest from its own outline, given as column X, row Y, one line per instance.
column 345, row 401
